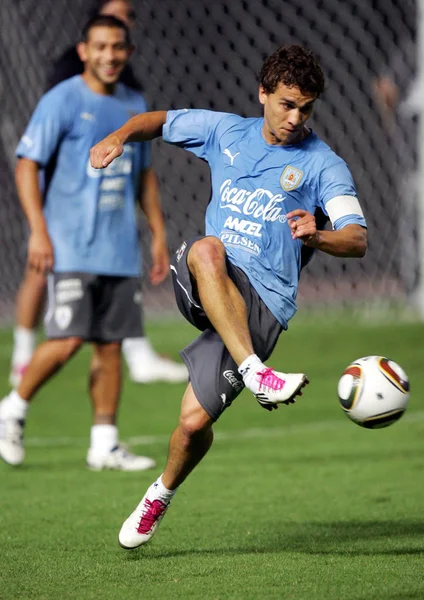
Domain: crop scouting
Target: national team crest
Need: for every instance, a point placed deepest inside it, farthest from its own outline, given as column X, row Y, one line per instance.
column 63, row 316
column 290, row 178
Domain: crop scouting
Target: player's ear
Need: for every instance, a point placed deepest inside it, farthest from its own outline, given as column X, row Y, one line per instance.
column 131, row 49
column 262, row 95
column 82, row 51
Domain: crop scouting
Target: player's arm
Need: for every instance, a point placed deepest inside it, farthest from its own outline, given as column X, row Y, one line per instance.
column 150, row 204
column 349, row 241
column 141, row 128
column 40, row 249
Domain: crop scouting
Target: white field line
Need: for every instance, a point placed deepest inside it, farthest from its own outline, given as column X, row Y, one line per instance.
column 255, row 433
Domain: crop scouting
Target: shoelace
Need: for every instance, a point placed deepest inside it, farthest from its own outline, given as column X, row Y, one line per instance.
column 154, row 510
column 268, row 379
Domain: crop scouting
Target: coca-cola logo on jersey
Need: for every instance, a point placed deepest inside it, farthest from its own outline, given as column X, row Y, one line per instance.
column 259, row 203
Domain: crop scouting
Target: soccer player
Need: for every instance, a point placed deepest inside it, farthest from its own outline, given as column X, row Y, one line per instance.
column 144, row 364
column 238, row 284
column 84, row 234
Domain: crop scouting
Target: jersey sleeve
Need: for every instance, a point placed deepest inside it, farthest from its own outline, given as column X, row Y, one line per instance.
column 47, row 125
column 338, row 196
column 194, row 130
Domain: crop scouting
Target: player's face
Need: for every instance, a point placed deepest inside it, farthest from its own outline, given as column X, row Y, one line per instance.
column 285, row 113
column 105, row 54
column 121, row 9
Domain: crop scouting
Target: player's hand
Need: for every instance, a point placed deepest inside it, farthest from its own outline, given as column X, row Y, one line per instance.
column 40, row 252
column 103, row 153
column 303, row 226
column 160, row 262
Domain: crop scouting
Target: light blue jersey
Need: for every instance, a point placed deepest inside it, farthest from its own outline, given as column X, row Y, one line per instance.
column 90, row 214
column 254, row 186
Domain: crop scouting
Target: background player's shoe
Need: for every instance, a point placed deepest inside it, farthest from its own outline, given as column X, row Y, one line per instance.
column 11, row 439
column 272, row 387
column 146, row 366
column 118, row 459
column 141, row 525
column 157, row 368
column 16, row 373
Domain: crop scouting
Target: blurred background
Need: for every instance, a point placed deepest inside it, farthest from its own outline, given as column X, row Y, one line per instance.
column 207, row 54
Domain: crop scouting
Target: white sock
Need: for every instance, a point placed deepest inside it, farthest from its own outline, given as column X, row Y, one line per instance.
column 14, row 406
column 103, row 438
column 24, row 344
column 161, row 491
column 250, row 365
column 137, row 349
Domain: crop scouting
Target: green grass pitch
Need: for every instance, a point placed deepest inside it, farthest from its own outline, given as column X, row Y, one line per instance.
column 295, row 504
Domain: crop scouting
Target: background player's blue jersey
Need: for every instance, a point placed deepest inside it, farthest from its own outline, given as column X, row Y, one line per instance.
column 254, row 186
column 90, row 214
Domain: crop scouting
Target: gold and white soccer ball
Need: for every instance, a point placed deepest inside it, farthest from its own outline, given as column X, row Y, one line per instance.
column 373, row 391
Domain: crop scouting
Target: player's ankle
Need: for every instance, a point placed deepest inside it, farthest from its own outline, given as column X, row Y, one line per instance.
column 161, row 492
column 249, row 367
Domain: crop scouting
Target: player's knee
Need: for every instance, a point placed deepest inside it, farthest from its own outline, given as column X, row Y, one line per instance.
column 206, row 255
column 111, row 349
column 195, row 423
column 68, row 347
column 106, row 354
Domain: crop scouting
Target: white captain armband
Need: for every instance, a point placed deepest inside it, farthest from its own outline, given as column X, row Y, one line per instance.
column 342, row 206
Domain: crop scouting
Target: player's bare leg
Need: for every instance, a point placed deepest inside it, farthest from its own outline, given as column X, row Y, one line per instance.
column 189, row 443
column 29, row 306
column 220, row 298
column 227, row 311
column 105, row 452
column 105, row 382
column 47, row 360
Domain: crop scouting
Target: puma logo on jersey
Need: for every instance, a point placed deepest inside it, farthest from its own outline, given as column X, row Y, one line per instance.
column 231, row 156
column 27, row 141
column 87, row 116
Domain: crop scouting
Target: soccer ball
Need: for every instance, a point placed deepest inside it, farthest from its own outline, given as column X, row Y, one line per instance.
column 373, row 391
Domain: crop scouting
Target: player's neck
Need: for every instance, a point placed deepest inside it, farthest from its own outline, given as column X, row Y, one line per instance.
column 270, row 137
column 97, row 86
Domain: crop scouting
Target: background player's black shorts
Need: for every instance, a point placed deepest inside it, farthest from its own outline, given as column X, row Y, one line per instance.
column 213, row 373
column 96, row 308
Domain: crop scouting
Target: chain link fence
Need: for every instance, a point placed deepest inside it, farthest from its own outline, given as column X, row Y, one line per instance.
column 204, row 54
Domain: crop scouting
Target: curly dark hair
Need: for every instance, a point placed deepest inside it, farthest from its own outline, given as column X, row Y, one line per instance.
column 293, row 66
column 105, row 21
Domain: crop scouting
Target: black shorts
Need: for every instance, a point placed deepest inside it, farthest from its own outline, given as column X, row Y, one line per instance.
column 96, row 308
column 213, row 372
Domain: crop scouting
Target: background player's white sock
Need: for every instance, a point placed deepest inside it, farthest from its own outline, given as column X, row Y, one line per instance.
column 134, row 348
column 103, row 438
column 13, row 406
column 24, row 344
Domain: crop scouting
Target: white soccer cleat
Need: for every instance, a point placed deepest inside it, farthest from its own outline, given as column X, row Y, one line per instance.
column 118, row 459
column 16, row 373
column 271, row 387
column 141, row 525
column 157, row 368
column 11, row 440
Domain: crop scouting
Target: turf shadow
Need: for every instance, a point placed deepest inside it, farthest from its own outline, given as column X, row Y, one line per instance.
column 339, row 538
